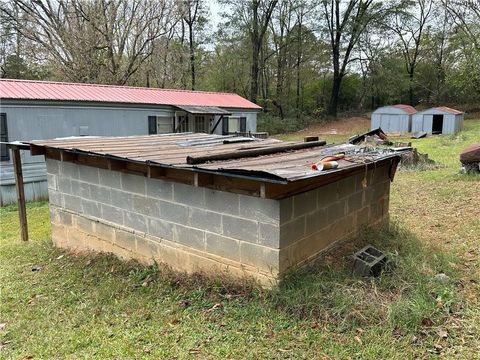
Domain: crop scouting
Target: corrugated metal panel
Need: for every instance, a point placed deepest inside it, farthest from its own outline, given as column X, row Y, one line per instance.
column 58, row 91
column 172, row 150
column 207, row 110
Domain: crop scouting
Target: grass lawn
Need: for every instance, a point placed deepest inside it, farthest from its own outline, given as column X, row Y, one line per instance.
column 99, row 307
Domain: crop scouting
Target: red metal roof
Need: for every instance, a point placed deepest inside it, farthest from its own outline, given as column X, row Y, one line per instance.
column 407, row 108
column 448, row 110
column 60, row 91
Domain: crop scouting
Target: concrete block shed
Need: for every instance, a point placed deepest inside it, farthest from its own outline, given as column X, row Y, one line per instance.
column 211, row 203
column 438, row 120
column 393, row 118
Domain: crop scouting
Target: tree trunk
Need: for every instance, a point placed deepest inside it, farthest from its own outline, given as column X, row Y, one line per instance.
column 333, row 106
column 299, row 58
column 192, row 53
column 254, row 74
column 410, row 87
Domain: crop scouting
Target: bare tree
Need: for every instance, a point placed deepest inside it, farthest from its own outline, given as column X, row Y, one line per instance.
column 408, row 21
column 345, row 22
column 259, row 13
column 86, row 38
column 192, row 14
column 466, row 14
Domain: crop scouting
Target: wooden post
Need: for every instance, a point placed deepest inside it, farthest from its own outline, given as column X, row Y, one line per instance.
column 22, row 211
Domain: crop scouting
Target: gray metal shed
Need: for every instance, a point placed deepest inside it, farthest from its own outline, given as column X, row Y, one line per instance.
column 393, row 118
column 438, row 120
column 35, row 110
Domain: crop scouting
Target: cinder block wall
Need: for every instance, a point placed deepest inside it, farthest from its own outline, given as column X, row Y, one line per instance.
column 189, row 228
column 199, row 229
column 315, row 220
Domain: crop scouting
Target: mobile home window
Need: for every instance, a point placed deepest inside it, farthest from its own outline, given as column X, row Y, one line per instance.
column 5, row 156
column 165, row 125
column 237, row 124
column 233, row 124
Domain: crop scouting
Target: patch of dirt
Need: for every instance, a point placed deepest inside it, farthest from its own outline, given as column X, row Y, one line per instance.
column 346, row 126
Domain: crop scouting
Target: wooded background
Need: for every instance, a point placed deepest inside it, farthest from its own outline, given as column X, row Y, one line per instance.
column 299, row 59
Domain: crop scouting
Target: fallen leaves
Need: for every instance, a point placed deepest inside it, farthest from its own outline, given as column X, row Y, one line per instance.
column 442, row 333
column 214, row 307
column 427, row 322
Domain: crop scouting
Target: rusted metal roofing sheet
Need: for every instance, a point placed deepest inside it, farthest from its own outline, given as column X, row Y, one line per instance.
column 172, row 150
column 60, row 91
column 448, row 110
column 406, row 108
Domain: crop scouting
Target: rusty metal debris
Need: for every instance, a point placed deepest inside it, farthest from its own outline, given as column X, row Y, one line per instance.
column 470, row 159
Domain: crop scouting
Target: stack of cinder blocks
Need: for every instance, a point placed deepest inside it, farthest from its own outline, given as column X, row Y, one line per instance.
column 198, row 229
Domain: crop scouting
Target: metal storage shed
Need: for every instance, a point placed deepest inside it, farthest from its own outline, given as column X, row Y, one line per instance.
column 393, row 118
column 438, row 120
